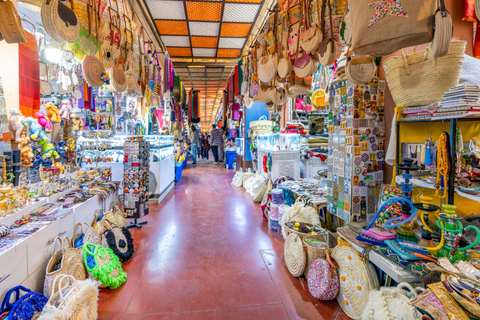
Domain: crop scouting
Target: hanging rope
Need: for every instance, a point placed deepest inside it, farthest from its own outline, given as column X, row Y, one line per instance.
column 442, row 165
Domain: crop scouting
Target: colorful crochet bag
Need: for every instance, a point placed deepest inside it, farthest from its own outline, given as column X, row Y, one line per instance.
column 119, row 240
column 323, row 278
column 25, row 307
column 103, row 265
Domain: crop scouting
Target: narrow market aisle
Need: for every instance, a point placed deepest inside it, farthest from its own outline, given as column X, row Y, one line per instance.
column 206, row 254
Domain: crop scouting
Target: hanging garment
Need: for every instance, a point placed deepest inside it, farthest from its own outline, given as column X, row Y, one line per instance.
column 29, row 76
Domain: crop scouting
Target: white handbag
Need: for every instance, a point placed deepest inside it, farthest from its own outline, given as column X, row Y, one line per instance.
column 238, row 179
column 74, row 300
column 391, row 303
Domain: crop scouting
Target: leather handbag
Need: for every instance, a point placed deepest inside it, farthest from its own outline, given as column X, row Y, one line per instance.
column 60, row 22
column 322, row 278
column 11, row 28
column 63, row 261
column 377, row 33
column 103, row 265
column 24, row 306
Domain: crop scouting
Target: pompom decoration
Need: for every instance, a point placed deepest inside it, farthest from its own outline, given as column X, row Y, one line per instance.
column 323, row 280
column 93, row 71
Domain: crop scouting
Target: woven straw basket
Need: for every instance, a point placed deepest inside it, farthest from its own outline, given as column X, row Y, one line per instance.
column 295, row 257
column 418, row 79
column 357, row 279
column 71, row 263
column 313, row 253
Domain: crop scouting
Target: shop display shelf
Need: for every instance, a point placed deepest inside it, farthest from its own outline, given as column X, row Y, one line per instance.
column 467, row 195
column 423, row 184
column 397, row 272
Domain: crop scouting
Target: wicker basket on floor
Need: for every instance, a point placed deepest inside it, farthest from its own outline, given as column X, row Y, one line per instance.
column 313, row 253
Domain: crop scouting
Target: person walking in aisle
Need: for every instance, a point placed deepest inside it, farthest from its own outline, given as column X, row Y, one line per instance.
column 216, row 141
column 195, row 144
column 200, row 147
column 206, row 145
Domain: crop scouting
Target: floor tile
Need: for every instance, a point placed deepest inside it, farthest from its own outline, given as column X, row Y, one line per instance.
column 114, row 303
column 271, row 312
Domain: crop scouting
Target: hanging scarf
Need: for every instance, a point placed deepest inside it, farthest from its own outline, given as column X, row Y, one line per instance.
column 29, row 76
column 469, row 15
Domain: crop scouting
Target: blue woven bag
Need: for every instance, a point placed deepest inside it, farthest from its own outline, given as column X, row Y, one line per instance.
column 25, row 306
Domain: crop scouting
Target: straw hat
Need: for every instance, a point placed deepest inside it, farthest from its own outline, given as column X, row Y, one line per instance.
column 295, row 257
column 360, row 69
column 357, row 279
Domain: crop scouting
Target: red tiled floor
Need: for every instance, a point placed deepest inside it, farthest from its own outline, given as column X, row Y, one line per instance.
column 206, row 254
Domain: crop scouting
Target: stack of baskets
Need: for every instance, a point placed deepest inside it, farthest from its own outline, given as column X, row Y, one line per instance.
column 299, row 255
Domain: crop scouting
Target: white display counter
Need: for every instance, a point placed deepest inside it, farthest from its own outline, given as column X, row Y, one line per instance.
column 25, row 264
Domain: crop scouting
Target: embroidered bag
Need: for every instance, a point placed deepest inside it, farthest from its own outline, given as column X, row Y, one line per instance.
column 383, row 27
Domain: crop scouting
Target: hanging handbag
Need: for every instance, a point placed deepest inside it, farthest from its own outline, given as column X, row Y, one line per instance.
column 382, row 28
column 303, row 66
column 63, row 261
column 327, row 51
column 92, row 69
column 322, row 278
column 103, row 265
column 267, row 68
column 264, row 94
column 24, row 307
column 60, row 22
column 278, row 96
column 419, row 80
column 299, row 86
column 312, row 37
column 360, row 69
column 345, row 33
column 73, row 300
column 119, row 240
column 442, row 37
column 11, row 28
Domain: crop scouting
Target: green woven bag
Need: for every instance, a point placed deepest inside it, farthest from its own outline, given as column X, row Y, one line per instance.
column 103, row 265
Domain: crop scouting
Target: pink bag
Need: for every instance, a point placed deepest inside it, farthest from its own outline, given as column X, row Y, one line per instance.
column 323, row 281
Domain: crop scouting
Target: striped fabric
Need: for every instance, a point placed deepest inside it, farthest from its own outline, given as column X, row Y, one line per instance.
column 29, row 76
column 216, row 137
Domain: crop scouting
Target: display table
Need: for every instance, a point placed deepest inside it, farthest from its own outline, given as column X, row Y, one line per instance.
column 27, row 260
column 284, row 163
column 230, row 159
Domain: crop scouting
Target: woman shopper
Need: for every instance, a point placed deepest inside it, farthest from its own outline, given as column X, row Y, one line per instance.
column 216, row 141
column 195, row 144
